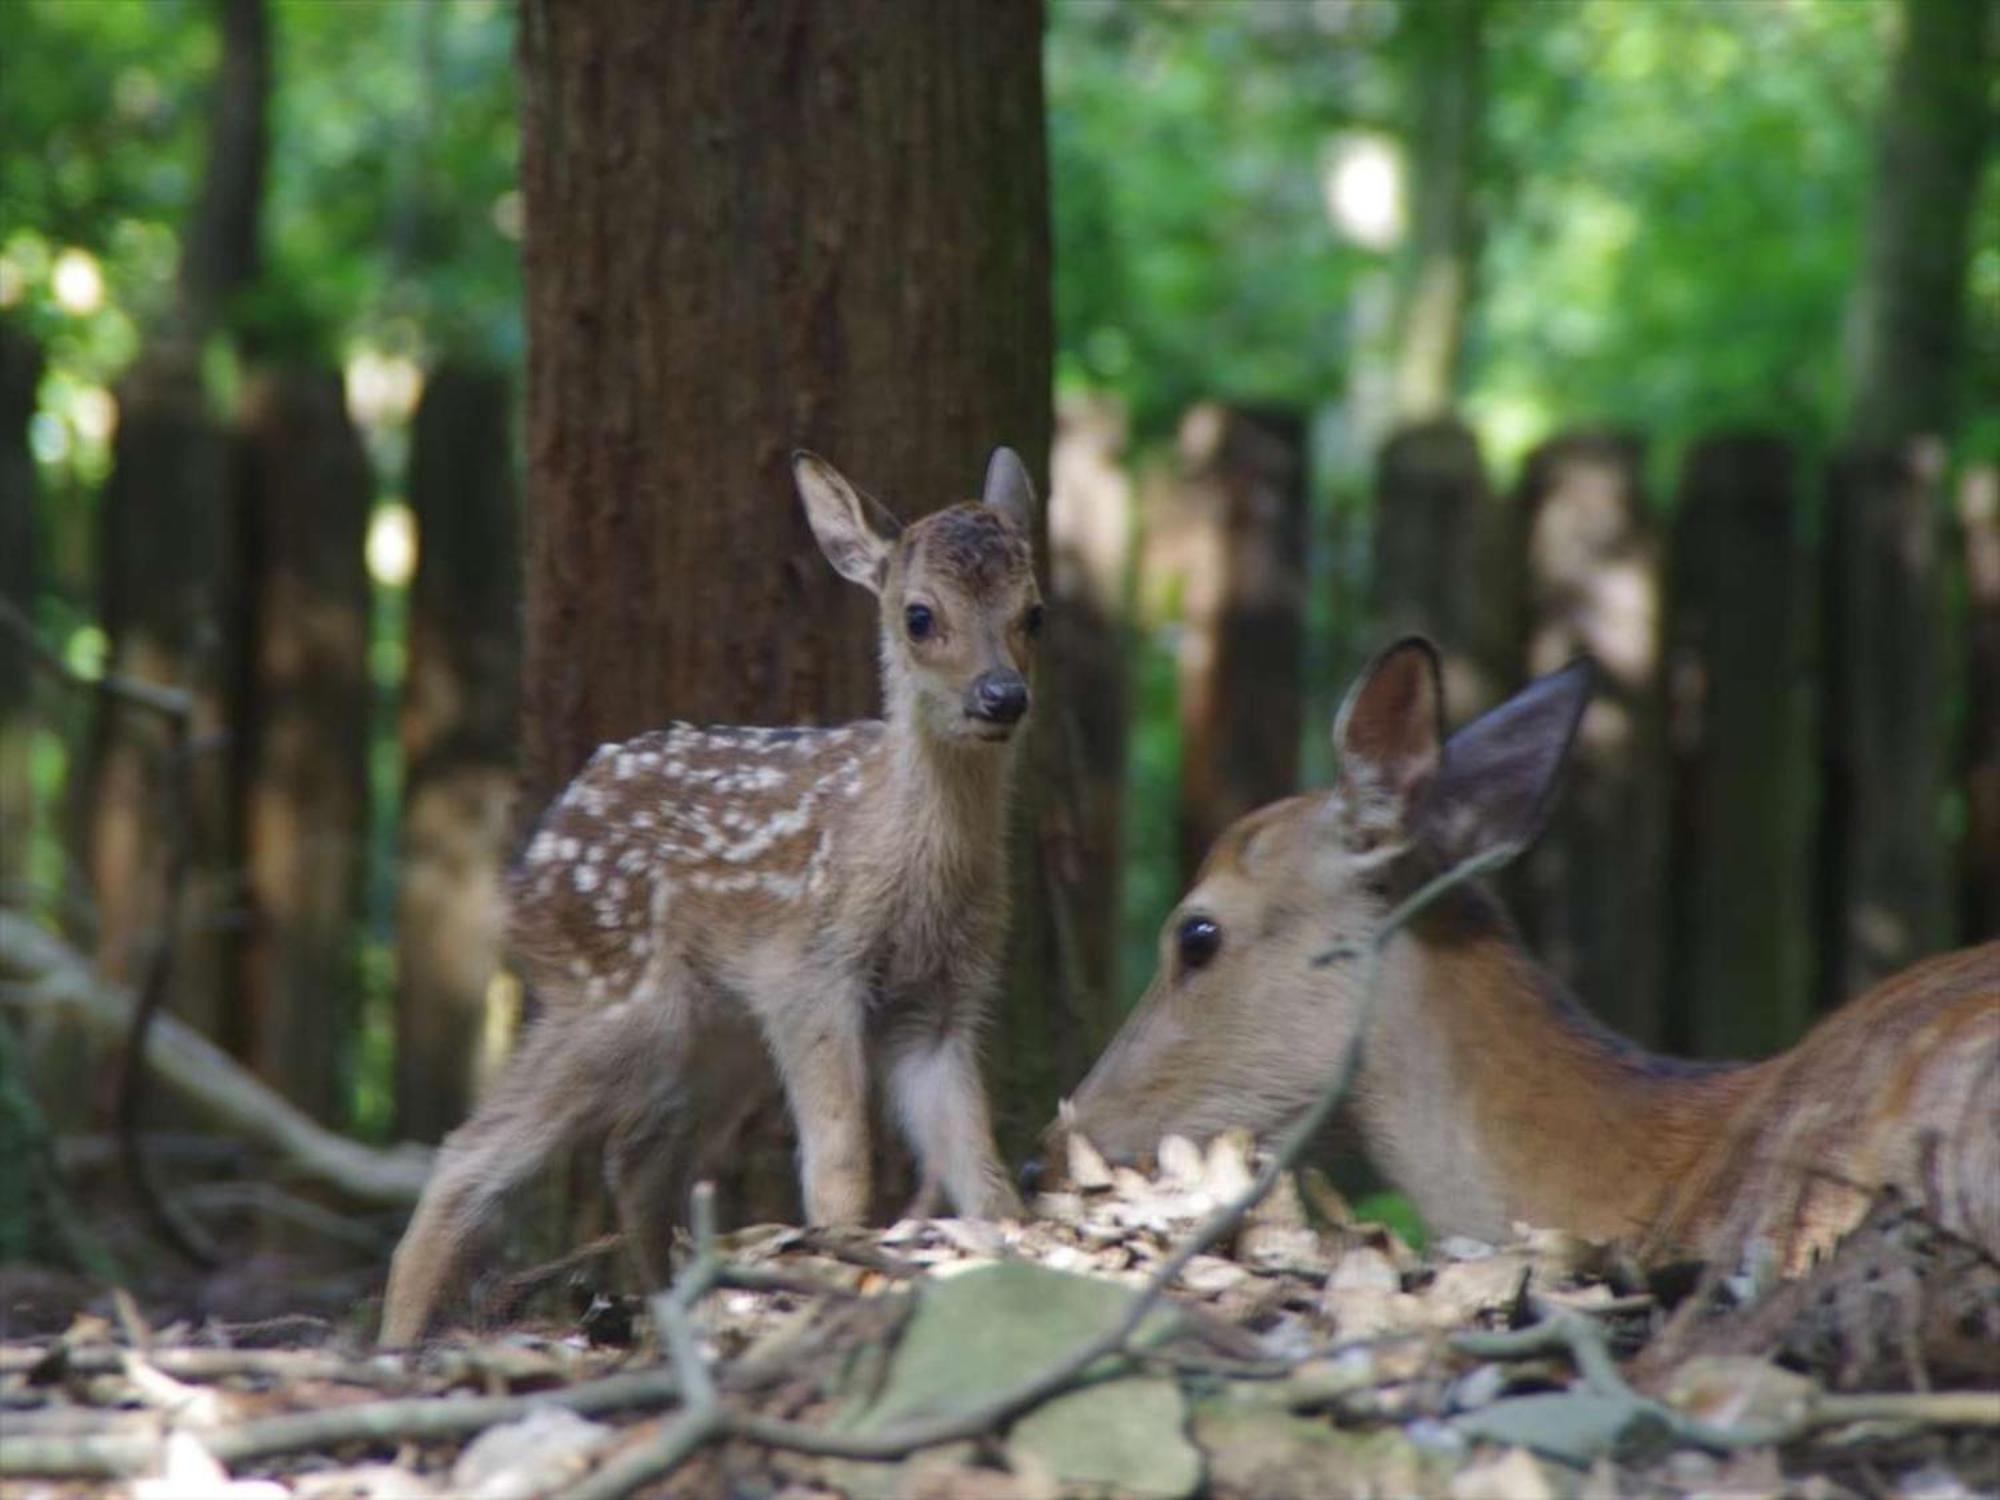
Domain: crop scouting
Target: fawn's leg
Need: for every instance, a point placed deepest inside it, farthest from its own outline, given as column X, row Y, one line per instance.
column 815, row 1036
column 645, row 1165
column 531, row 1112
column 935, row 1087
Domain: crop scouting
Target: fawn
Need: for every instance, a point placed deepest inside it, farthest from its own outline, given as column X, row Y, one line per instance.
column 1483, row 1091
column 834, row 897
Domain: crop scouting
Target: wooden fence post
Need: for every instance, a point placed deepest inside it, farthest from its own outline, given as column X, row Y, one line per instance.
column 1739, row 871
column 1592, row 890
column 1243, row 482
column 459, row 728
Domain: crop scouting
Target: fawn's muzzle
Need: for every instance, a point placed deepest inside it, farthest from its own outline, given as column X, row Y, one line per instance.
column 999, row 697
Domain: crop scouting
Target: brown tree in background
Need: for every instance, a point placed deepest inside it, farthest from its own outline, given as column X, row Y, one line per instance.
column 1886, row 867
column 20, row 374
column 1592, row 890
column 1241, row 504
column 460, row 720
column 1739, row 880
column 749, row 228
column 1441, row 549
column 166, row 599
column 1445, row 60
column 1979, row 531
column 302, row 746
column 166, row 570
column 1090, row 545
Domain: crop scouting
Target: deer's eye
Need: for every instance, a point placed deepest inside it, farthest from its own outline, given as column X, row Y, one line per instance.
column 920, row 622
column 1199, row 939
column 1032, row 621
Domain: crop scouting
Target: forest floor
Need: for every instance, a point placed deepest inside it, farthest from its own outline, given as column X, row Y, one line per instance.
column 1300, row 1355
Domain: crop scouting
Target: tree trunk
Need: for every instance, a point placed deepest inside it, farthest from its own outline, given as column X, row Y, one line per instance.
column 1090, row 541
column 461, row 706
column 1742, row 767
column 222, row 254
column 1979, row 521
column 20, row 374
column 1886, row 868
column 304, row 745
column 753, row 227
column 167, row 591
column 1440, row 553
column 1594, row 893
column 166, row 580
column 1446, row 70
column 1243, row 485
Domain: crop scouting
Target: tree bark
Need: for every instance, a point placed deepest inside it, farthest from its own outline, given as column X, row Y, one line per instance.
column 304, row 744
column 1090, row 542
column 1886, row 868
column 1441, row 552
column 1594, row 897
column 749, row 228
column 1243, row 488
column 1742, row 767
column 1979, row 523
column 460, row 719
column 20, row 374
column 222, row 254
column 1446, row 75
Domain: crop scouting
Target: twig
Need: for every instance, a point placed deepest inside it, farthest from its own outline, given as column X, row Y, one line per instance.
column 703, row 1420
column 54, row 974
column 701, row 1417
column 1584, row 1341
column 419, row 1417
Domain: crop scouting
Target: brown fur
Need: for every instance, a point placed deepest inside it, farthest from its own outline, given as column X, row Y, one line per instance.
column 1484, row 1091
column 834, row 898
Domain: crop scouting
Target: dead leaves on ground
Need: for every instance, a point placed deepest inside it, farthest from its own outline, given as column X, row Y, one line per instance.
column 1310, row 1358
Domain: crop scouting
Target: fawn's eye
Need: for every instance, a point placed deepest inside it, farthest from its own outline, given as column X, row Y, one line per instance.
column 1032, row 621
column 919, row 621
column 1199, row 939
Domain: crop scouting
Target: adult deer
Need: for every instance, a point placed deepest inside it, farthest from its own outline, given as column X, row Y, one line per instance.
column 836, row 897
column 1483, row 1091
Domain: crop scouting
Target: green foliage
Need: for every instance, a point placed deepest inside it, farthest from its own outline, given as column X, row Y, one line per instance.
column 1187, row 145
column 1676, row 197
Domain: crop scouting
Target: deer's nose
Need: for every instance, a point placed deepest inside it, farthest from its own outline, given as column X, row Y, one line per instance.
column 1001, row 696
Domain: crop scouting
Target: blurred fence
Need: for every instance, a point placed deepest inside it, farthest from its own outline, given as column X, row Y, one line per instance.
column 1700, row 885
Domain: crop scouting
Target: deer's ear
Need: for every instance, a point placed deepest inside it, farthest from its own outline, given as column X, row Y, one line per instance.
column 1009, row 490
column 1389, row 734
column 856, row 534
column 1499, row 776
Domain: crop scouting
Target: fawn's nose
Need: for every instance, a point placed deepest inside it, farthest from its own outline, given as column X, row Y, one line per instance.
column 1000, row 696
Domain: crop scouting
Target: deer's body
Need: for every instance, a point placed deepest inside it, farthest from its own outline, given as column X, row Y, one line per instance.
column 1484, row 1091
column 700, row 899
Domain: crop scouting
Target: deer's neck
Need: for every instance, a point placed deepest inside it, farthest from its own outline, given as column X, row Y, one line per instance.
column 1489, row 1096
column 939, row 807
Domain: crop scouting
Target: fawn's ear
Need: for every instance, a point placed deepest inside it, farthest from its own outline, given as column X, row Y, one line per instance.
column 1009, row 490
column 856, row 533
column 1498, row 779
column 1389, row 734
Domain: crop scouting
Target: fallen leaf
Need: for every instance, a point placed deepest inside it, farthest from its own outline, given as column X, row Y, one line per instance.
column 537, row 1455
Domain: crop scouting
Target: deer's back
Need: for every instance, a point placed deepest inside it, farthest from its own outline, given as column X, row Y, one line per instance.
column 1899, row 1088
column 679, row 846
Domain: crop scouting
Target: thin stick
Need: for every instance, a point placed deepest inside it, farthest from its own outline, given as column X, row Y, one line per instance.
column 420, row 1417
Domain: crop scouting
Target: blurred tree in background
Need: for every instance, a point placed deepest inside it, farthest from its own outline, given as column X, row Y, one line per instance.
column 1669, row 332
